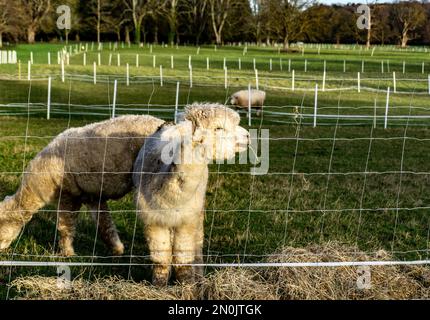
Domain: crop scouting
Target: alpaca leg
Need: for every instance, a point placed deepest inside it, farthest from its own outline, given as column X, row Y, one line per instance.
column 67, row 219
column 160, row 247
column 184, row 249
column 199, row 239
column 106, row 227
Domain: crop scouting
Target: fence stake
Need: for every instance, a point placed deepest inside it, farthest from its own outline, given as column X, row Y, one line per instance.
column 137, row 60
column 154, row 59
column 95, row 72
column 386, row 108
column 358, row 82
column 207, row 63
column 115, row 86
column 176, row 102
column 325, row 65
column 289, row 65
column 323, row 82
column 191, row 77
column 161, row 75
column 48, row 105
column 422, row 68
column 429, row 82
column 225, row 78
column 49, row 58
column 394, row 82
column 293, row 80
column 62, row 71
column 99, row 59
column 31, row 57
column 172, row 64
column 270, row 64
column 382, row 66
column 256, row 79
column 374, row 114
column 344, row 66
column 84, row 62
column 306, row 65
column 240, row 64
column 362, row 66
column 128, row 74
column 224, row 65
column 189, row 62
column 315, row 105
column 254, row 63
column 29, row 71
column 249, row 104
column 404, row 66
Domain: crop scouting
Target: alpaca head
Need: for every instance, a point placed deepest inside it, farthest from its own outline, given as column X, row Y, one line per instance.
column 9, row 228
column 234, row 99
column 209, row 132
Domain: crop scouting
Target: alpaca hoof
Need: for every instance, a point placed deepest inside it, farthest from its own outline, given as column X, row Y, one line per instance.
column 185, row 275
column 158, row 281
column 160, row 277
column 118, row 249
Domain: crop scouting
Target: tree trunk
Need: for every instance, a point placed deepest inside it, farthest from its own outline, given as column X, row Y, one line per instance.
column 286, row 43
column 404, row 39
column 156, row 34
column 98, row 20
column 127, row 35
column 369, row 35
column 218, row 38
column 1, row 39
column 31, row 34
column 118, row 35
column 137, row 33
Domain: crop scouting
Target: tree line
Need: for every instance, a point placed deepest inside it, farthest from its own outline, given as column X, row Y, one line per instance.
column 215, row 21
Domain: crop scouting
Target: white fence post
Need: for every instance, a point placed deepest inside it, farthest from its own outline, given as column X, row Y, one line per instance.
column 289, row 65
column 315, row 105
column 249, row 104
column 99, row 59
column 323, row 82
column 128, row 74
column 253, row 61
column 191, row 77
column 270, row 64
column 404, row 66
column 177, row 102
column 31, row 57
column 48, row 104
column 429, row 83
column 386, row 108
column 256, row 79
column 306, row 65
column 394, row 82
column 161, row 75
column 225, row 78
column 240, row 64
column 344, row 66
column 382, row 66
column 362, row 66
column 422, row 68
column 172, row 63
column 358, row 82
column 374, row 114
column 115, row 87
column 62, row 71
column 95, row 73
column 49, row 58
column 189, row 62
column 293, row 80
column 137, row 60
column 29, row 71
column 154, row 60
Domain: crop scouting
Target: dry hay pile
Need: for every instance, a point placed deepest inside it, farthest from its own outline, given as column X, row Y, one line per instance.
column 387, row 282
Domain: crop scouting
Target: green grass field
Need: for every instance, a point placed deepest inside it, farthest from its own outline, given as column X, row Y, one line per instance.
column 342, row 181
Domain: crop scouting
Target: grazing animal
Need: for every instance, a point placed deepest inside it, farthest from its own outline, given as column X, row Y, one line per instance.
column 87, row 165
column 171, row 176
column 240, row 99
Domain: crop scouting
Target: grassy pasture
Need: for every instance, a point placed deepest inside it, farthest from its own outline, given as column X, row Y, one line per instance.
column 341, row 181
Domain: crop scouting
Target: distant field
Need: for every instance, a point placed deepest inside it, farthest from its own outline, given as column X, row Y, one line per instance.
column 343, row 180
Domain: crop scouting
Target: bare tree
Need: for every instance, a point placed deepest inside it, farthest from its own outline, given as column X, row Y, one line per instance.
column 140, row 9
column 219, row 11
column 9, row 20
column 171, row 13
column 33, row 13
column 194, row 14
column 409, row 16
column 287, row 19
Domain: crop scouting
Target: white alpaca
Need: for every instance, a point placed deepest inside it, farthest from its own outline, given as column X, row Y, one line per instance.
column 87, row 165
column 171, row 175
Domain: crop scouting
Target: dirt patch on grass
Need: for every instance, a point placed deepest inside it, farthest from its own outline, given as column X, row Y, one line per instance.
column 386, row 282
